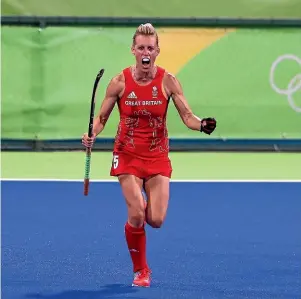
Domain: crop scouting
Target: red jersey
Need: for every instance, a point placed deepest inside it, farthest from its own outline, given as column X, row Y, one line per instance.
column 142, row 127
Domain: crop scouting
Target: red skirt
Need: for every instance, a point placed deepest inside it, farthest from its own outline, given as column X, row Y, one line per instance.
column 124, row 163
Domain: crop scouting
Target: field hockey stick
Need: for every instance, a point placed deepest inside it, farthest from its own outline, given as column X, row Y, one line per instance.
column 90, row 130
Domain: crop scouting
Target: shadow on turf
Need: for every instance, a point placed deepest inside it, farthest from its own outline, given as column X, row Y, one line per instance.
column 107, row 291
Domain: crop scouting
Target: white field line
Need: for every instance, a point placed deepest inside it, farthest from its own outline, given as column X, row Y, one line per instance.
column 172, row 180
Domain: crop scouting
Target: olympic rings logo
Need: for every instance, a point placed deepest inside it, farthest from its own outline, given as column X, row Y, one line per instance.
column 293, row 86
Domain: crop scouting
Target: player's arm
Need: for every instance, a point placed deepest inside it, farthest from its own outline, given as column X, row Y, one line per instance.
column 113, row 92
column 174, row 89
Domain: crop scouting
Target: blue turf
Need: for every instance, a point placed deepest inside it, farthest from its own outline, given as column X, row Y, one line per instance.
column 220, row 240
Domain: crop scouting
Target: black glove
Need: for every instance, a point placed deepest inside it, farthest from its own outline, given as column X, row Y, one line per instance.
column 208, row 125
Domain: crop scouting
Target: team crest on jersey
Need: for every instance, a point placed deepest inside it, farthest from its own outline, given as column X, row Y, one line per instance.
column 155, row 92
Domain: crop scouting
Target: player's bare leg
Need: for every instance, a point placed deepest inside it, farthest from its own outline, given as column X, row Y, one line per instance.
column 132, row 191
column 157, row 191
column 134, row 228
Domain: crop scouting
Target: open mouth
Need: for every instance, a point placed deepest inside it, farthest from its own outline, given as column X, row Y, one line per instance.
column 145, row 61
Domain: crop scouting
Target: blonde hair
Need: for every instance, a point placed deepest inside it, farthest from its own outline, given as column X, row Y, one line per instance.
column 146, row 30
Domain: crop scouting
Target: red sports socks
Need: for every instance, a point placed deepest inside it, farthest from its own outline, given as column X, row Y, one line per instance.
column 136, row 241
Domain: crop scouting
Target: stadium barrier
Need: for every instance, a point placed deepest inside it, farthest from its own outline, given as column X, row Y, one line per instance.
column 44, row 21
column 253, row 90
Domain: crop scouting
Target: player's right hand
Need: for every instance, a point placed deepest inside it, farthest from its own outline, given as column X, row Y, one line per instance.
column 208, row 125
column 88, row 141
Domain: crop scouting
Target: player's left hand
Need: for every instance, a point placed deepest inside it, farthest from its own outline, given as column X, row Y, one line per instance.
column 208, row 125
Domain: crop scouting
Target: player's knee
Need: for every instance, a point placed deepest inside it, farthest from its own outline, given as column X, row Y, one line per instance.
column 136, row 217
column 155, row 222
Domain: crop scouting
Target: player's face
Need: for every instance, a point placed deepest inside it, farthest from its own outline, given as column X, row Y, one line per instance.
column 146, row 51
